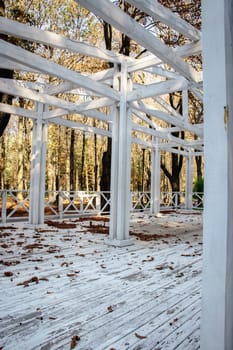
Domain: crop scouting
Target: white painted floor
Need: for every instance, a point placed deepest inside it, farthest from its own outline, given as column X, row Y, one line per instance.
column 62, row 284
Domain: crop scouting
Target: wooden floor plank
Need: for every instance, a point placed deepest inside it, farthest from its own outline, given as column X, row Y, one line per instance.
column 103, row 294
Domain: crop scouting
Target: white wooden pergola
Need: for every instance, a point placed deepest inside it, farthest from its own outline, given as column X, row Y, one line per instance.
column 115, row 88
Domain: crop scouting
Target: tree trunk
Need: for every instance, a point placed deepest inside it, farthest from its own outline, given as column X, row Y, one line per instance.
column 82, row 180
column 198, row 160
column 106, row 175
column 72, row 165
column 20, row 170
column 176, row 159
column 95, row 160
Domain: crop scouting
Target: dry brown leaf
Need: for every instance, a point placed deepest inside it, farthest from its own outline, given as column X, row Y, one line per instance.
column 8, row 273
column 9, row 263
column 74, row 340
column 34, row 246
column 110, row 309
column 71, row 274
column 140, row 336
column 31, row 280
column 43, row 279
column 4, row 245
column 179, row 274
column 149, row 258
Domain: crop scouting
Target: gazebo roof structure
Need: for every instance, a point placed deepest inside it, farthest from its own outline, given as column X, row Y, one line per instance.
column 179, row 76
column 113, row 88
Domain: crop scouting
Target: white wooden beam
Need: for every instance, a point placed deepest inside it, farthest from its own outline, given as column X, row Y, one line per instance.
column 217, row 306
column 163, row 72
column 151, row 60
column 146, row 108
column 197, row 92
column 164, row 135
column 26, row 32
column 59, row 112
column 168, row 107
column 34, row 61
column 120, row 20
column 164, row 15
column 155, row 178
column 85, row 107
column 162, row 88
column 18, row 111
column 11, row 87
column 6, row 63
column 191, row 49
column 79, row 126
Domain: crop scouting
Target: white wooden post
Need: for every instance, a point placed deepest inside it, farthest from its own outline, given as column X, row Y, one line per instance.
column 120, row 170
column 4, row 206
column 38, row 167
column 217, row 314
column 155, row 179
column 189, row 181
column 185, row 105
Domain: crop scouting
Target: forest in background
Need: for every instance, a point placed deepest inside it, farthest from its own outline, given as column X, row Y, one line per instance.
column 78, row 160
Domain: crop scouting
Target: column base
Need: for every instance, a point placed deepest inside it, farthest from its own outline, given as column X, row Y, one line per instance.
column 119, row 242
column 35, row 226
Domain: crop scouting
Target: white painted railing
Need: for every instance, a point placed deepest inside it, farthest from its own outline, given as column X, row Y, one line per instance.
column 14, row 204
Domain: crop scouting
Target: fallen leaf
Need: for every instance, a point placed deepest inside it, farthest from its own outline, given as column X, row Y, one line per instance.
column 4, row 245
column 110, row 309
column 74, row 340
column 8, row 263
column 140, row 336
column 31, row 280
column 8, row 273
column 71, row 274
column 149, row 258
column 173, row 321
column 34, row 246
column 179, row 274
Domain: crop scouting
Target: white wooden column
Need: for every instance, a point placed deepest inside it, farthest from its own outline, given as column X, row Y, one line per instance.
column 217, row 314
column 120, row 171
column 189, row 181
column 38, row 168
column 185, row 105
column 155, row 179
